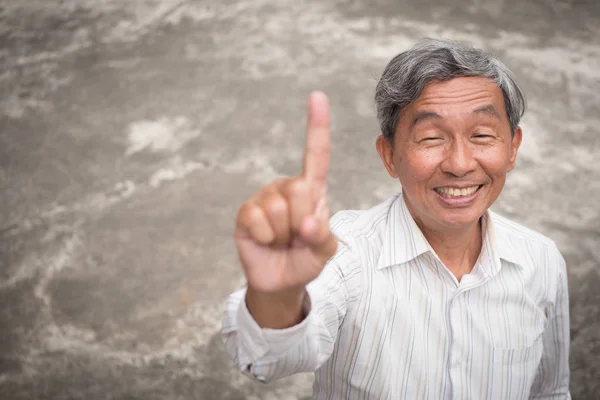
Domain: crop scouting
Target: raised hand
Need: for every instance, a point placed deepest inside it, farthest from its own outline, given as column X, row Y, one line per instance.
column 282, row 232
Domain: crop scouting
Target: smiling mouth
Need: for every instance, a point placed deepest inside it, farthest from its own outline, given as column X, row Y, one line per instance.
column 449, row 192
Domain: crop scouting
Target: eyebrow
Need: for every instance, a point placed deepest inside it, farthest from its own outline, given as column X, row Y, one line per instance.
column 421, row 116
column 488, row 110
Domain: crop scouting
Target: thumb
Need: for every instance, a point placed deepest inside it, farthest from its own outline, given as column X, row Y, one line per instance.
column 316, row 233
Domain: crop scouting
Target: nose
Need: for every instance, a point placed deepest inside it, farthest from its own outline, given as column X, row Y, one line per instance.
column 459, row 160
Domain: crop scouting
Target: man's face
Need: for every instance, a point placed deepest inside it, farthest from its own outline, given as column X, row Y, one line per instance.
column 452, row 150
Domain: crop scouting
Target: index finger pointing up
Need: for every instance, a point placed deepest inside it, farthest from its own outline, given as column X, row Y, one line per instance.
column 318, row 143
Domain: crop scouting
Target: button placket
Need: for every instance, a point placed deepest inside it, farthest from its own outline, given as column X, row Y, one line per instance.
column 457, row 356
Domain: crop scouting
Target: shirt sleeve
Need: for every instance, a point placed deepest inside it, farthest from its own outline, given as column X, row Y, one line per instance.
column 552, row 379
column 268, row 354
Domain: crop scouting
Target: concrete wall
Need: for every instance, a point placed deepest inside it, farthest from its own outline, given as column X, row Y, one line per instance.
column 130, row 132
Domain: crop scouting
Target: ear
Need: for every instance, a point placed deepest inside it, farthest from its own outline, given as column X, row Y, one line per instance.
column 514, row 148
column 386, row 153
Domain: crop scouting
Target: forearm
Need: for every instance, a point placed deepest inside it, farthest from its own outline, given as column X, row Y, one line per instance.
column 296, row 334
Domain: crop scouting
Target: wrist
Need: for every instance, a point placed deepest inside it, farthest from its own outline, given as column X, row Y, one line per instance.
column 276, row 310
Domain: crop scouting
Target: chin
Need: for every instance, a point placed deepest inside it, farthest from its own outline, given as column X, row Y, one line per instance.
column 461, row 220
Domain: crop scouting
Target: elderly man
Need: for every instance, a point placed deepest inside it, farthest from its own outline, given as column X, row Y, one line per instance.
column 428, row 295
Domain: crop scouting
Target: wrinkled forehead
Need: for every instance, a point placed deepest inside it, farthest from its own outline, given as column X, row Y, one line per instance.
column 459, row 96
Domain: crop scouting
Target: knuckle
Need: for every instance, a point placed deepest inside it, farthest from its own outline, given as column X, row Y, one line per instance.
column 267, row 191
column 320, row 181
column 278, row 184
column 249, row 214
column 262, row 235
column 319, row 151
column 243, row 212
column 276, row 205
column 297, row 187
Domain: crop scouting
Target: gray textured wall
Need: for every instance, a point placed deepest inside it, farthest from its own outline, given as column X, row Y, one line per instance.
column 130, row 132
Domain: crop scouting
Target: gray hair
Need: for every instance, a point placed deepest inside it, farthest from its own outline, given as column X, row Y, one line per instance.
column 431, row 60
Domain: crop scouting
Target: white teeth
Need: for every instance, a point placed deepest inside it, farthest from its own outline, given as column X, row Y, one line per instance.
column 455, row 192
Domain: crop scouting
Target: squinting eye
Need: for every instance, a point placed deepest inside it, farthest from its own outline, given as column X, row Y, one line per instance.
column 430, row 138
column 482, row 135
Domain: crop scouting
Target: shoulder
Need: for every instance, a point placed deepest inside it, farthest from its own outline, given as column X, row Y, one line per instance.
column 353, row 224
column 519, row 232
column 359, row 232
column 527, row 246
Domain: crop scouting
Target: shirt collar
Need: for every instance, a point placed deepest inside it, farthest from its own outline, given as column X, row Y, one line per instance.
column 503, row 242
column 404, row 241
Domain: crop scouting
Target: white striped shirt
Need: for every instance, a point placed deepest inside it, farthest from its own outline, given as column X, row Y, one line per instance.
column 387, row 320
